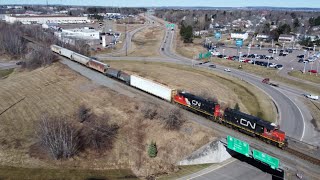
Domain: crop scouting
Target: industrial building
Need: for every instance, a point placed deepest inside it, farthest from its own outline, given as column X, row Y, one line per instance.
column 84, row 33
column 39, row 19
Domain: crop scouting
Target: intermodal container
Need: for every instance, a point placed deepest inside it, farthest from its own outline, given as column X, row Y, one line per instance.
column 151, row 87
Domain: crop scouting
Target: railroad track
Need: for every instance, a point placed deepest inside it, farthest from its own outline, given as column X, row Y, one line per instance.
column 304, row 150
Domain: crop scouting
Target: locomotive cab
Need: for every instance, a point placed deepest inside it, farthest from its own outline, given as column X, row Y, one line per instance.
column 273, row 132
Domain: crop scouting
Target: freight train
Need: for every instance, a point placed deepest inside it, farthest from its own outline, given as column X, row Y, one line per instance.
column 232, row 118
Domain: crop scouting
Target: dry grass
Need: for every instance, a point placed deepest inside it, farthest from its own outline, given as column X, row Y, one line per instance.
column 189, row 50
column 227, row 89
column 59, row 91
column 130, row 27
column 267, row 72
column 314, row 108
column 146, row 43
column 71, row 174
column 6, row 72
column 307, row 76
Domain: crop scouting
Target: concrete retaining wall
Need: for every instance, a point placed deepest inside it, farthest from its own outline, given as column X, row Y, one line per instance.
column 213, row 152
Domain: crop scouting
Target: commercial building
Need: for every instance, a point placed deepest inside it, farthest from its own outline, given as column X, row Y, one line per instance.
column 85, row 33
column 242, row 36
column 286, row 38
column 262, row 37
column 39, row 19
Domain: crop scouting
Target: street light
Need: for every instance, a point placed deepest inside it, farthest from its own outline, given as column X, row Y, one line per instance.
column 276, row 49
column 240, row 56
column 223, row 52
column 249, row 47
column 272, row 43
column 314, row 49
column 282, row 46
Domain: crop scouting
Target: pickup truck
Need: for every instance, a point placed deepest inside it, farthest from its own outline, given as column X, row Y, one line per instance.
column 313, row 97
column 267, row 81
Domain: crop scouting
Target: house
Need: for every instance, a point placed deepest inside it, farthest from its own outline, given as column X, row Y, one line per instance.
column 199, row 33
column 286, row 38
column 239, row 35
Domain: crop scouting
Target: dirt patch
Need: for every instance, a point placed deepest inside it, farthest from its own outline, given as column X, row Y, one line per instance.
column 226, row 89
column 146, row 43
column 189, row 50
column 57, row 90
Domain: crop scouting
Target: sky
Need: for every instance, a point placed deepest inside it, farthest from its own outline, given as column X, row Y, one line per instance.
column 209, row 3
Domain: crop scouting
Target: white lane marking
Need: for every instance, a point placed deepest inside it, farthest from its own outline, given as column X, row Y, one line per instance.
column 215, row 168
column 304, row 126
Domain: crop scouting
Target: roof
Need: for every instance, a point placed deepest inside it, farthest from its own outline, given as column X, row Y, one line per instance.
column 286, row 35
column 44, row 16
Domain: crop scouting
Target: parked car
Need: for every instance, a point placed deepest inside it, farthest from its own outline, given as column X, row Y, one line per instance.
column 212, row 66
column 272, row 65
column 244, row 55
column 313, row 71
column 279, row 66
column 270, row 50
column 227, row 70
column 300, row 56
column 300, row 60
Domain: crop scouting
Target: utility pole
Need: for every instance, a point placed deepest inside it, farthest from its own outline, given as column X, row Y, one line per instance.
column 304, row 67
column 126, row 39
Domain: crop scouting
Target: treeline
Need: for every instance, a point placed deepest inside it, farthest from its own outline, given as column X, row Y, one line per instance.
column 186, row 33
column 14, row 39
column 124, row 10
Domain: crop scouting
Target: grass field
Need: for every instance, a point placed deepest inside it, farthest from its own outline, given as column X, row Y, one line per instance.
column 56, row 90
column 227, row 89
column 314, row 108
column 5, row 72
column 307, row 76
column 70, row 174
column 189, row 50
column 146, row 43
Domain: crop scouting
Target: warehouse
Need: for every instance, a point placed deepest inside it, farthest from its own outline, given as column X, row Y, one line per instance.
column 37, row 19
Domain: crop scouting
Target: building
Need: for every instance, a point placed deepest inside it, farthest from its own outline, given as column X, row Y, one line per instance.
column 39, row 19
column 262, row 37
column 239, row 35
column 85, row 33
column 200, row 33
column 286, row 38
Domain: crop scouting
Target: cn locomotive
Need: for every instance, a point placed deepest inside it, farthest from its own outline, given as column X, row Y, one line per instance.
column 232, row 118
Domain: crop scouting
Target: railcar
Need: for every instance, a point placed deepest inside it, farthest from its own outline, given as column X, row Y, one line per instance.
column 97, row 65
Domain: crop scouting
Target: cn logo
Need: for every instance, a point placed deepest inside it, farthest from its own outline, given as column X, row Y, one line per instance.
column 246, row 123
column 195, row 103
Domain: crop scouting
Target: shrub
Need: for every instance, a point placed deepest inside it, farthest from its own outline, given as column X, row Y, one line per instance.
column 152, row 150
column 173, row 119
column 237, row 107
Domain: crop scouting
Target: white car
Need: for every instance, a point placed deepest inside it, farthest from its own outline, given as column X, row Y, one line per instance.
column 311, row 96
column 227, row 70
column 272, row 65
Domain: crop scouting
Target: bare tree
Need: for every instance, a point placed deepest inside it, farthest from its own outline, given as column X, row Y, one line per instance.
column 83, row 113
column 39, row 57
column 173, row 119
column 149, row 111
column 59, row 136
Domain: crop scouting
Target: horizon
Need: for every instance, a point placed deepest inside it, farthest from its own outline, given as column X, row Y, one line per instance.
column 172, row 3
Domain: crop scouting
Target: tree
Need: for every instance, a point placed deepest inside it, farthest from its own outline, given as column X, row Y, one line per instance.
column 296, row 23
column 237, row 107
column 188, row 36
column 152, row 150
column 173, row 119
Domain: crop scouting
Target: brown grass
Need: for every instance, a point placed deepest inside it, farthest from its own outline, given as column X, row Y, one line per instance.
column 314, row 108
column 146, row 43
column 307, row 76
column 59, row 91
column 189, row 50
column 227, row 89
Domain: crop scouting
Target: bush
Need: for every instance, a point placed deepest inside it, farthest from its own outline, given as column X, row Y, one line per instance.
column 237, row 107
column 173, row 119
column 83, row 113
column 152, row 150
column 59, row 136
column 149, row 111
column 39, row 57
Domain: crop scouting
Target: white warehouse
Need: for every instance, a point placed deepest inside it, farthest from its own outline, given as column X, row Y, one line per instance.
column 37, row 19
column 86, row 33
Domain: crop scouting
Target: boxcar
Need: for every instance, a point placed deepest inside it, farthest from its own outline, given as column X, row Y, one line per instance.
column 97, row 65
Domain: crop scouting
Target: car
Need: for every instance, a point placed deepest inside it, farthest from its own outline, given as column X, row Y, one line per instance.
column 162, row 49
column 313, row 71
column 212, row 66
column 227, row 70
column 300, row 60
column 313, row 97
column 272, row 65
column 220, row 56
column 289, row 50
column 279, row 66
column 19, row 63
column 281, row 51
column 300, row 56
column 270, row 50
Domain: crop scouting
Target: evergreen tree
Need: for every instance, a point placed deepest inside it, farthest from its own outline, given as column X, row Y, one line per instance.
column 152, row 150
column 237, row 107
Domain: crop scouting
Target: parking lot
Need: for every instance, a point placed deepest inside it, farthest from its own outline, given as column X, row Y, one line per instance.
column 289, row 62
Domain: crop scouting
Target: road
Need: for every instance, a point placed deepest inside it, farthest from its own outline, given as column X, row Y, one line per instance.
column 8, row 64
